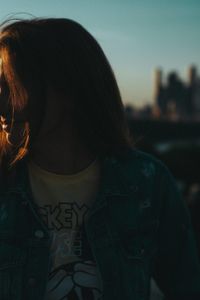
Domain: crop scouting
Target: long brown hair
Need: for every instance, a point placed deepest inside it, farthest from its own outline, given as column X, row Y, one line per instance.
column 60, row 52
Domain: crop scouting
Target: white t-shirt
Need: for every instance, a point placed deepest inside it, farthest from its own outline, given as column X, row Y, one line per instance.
column 63, row 203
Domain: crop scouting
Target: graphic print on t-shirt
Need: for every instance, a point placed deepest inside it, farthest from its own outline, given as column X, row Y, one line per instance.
column 73, row 272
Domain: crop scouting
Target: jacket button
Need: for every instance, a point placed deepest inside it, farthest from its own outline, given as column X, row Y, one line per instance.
column 142, row 251
column 39, row 234
column 31, row 281
column 113, row 161
column 134, row 188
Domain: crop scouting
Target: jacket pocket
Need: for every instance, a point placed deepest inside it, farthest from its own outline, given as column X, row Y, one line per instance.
column 139, row 243
column 138, row 248
column 12, row 262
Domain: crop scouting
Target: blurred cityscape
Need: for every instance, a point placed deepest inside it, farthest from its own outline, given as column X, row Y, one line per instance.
column 174, row 99
column 169, row 129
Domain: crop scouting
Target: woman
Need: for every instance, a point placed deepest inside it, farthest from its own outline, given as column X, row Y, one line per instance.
column 83, row 214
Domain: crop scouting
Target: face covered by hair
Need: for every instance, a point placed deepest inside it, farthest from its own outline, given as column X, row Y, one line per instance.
column 0, row 66
column 3, row 93
column 10, row 120
column 2, row 100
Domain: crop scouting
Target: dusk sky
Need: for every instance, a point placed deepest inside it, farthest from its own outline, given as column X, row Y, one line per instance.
column 136, row 35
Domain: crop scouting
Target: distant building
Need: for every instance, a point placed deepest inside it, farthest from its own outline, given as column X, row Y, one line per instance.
column 176, row 99
column 129, row 111
column 194, row 91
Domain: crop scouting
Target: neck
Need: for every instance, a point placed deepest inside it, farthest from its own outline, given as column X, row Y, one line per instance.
column 61, row 157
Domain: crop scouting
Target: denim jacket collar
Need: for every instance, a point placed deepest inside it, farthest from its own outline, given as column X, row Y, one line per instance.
column 113, row 180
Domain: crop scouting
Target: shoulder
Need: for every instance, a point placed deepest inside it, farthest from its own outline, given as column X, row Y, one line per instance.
column 146, row 174
column 140, row 162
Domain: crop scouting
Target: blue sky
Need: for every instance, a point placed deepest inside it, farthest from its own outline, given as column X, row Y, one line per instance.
column 136, row 35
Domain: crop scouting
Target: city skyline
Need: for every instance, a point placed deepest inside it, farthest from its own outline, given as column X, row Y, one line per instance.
column 136, row 36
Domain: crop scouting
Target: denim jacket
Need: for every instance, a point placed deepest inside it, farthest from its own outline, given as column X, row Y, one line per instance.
column 138, row 228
